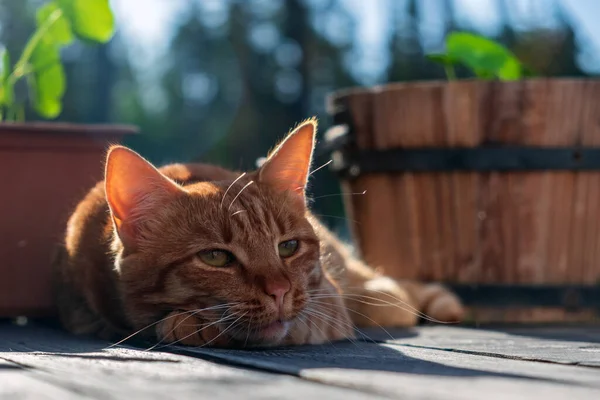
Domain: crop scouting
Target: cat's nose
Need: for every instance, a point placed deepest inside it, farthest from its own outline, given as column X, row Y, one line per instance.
column 277, row 289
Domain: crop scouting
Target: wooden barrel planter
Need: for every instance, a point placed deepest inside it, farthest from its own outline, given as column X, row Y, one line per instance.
column 490, row 187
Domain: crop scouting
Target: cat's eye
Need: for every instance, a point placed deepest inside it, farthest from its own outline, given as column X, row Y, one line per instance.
column 288, row 248
column 216, row 258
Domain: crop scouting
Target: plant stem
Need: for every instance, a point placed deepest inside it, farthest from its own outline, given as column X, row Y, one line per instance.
column 450, row 74
column 20, row 67
column 20, row 113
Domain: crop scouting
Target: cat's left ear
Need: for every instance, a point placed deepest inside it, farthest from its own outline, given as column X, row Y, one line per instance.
column 288, row 166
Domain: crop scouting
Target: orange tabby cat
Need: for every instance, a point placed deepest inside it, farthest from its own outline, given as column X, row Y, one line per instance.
column 199, row 255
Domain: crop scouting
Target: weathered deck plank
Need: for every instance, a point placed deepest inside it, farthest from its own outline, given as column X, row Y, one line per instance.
column 430, row 362
column 411, row 372
column 17, row 383
column 562, row 345
column 41, row 363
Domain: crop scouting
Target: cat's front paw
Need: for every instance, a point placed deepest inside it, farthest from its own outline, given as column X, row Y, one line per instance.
column 441, row 304
column 383, row 302
column 188, row 330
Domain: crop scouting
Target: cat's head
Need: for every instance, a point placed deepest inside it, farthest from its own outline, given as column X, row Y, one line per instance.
column 240, row 248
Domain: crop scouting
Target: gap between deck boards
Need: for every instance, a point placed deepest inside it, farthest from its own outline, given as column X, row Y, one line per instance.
column 497, row 355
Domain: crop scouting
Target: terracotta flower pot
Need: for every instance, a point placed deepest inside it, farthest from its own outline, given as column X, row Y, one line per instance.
column 45, row 169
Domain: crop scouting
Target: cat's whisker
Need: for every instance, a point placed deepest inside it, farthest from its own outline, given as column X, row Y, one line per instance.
column 326, row 319
column 197, row 331
column 365, row 337
column 326, row 290
column 225, row 330
column 230, row 186
column 313, row 293
column 239, row 193
column 217, row 307
column 316, row 291
column 248, row 333
column 358, row 313
column 300, row 318
column 337, row 217
column 417, row 311
column 203, row 326
column 238, row 212
column 383, row 303
column 308, row 313
column 322, row 166
column 340, row 194
column 325, row 304
column 148, row 326
column 402, row 304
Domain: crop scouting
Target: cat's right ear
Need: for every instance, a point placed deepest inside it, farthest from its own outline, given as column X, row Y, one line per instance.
column 134, row 190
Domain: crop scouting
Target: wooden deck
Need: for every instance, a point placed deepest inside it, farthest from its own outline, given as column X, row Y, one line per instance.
column 437, row 362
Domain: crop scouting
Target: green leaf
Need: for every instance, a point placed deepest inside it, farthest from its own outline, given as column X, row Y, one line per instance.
column 90, row 20
column 60, row 31
column 441, row 58
column 6, row 88
column 484, row 74
column 484, row 56
column 47, row 81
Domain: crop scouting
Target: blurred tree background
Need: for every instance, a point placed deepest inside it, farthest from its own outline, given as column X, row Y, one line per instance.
column 236, row 75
